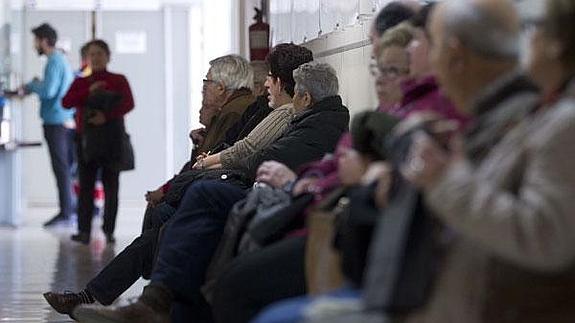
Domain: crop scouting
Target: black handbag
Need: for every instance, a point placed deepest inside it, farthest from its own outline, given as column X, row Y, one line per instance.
column 236, row 240
column 404, row 253
column 127, row 160
column 403, row 256
column 277, row 226
column 103, row 144
column 354, row 230
column 102, row 100
column 108, row 144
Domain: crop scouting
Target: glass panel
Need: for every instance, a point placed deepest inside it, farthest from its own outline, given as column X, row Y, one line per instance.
column 281, row 20
column 305, row 20
column 337, row 14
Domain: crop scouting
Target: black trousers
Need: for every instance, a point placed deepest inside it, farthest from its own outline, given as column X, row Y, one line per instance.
column 60, row 142
column 111, row 183
column 258, row 279
column 125, row 269
column 135, row 261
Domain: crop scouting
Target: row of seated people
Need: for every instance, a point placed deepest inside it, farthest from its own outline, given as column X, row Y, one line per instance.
column 450, row 203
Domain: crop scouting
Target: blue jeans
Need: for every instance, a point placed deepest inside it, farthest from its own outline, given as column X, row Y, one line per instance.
column 292, row 310
column 191, row 237
column 60, row 142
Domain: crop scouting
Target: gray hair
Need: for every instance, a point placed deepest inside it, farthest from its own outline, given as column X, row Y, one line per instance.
column 480, row 30
column 318, row 79
column 234, row 71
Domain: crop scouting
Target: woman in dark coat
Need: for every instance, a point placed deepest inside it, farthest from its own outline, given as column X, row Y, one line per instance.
column 101, row 101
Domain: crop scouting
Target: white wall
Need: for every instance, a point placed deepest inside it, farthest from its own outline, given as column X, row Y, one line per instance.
column 337, row 32
column 349, row 52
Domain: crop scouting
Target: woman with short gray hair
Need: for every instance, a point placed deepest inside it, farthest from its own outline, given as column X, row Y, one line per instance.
column 314, row 82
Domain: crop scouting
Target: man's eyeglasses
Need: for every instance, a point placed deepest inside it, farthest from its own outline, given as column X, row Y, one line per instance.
column 206, row 81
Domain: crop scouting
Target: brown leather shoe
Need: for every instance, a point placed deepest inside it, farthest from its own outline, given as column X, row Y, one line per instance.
column 152, row 307
column 63, row 303
column 136, row 312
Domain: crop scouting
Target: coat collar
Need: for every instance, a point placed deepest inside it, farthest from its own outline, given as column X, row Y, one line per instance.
column 414, row 89
column 332, row 103
column 501, row 88
column 234, row 104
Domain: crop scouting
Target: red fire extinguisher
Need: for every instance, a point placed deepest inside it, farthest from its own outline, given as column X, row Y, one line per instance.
column 259, row 36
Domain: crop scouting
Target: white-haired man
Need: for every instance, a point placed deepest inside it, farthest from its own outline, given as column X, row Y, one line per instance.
column 228, row 84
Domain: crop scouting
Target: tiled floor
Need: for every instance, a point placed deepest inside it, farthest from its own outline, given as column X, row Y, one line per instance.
column 34, row 260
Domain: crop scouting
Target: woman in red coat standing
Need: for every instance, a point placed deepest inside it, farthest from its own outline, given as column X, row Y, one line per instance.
column 101, row 101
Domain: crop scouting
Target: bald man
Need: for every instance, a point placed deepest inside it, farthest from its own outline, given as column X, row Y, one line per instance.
column 474, row 53
column 473, row 38
column 505, row 196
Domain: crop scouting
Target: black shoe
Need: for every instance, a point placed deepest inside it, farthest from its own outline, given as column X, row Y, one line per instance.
column 65, row 303
column 57, row 219
column 110, row 238
column 81, row 237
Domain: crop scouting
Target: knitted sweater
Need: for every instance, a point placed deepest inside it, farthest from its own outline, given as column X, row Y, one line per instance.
column 266, row 132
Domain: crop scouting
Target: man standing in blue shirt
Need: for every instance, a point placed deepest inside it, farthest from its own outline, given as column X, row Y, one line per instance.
column 58, row 123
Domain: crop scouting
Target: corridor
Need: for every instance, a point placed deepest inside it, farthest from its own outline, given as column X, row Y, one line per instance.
column 34, row 260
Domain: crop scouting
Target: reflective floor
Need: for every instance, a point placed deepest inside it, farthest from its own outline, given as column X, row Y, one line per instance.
column 34, row 260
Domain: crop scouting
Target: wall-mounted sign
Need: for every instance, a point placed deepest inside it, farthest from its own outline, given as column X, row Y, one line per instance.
column 131, row 42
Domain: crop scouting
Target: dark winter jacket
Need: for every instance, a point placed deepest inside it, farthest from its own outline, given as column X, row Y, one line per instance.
column 313, row 133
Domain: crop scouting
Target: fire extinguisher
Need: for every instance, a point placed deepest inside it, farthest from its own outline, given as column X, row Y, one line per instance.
column 259, row 35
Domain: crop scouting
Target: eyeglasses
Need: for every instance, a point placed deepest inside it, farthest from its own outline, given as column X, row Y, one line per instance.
column 208, row 81
column 387, row 72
